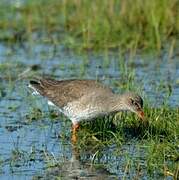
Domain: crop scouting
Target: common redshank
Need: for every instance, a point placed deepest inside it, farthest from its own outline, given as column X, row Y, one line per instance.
column 85, row 99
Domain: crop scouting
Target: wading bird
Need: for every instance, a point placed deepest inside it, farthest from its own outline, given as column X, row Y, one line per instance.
column 85, row 99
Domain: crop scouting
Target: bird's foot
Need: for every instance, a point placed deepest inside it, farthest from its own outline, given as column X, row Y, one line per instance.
column 74, row 138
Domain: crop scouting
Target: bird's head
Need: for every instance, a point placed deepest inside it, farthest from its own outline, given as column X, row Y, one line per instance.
column 133, row 103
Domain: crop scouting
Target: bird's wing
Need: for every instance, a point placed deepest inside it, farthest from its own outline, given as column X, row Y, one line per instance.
column 64, row 91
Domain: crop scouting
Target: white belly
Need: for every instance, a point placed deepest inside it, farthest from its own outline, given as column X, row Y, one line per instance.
column 77, row 114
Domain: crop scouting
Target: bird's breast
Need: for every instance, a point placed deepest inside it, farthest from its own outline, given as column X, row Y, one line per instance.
column 79, row 112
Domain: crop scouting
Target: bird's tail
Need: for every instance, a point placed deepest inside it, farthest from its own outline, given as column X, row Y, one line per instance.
column 37, row 86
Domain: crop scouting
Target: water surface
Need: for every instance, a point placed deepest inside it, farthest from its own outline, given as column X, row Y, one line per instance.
column 30, row 139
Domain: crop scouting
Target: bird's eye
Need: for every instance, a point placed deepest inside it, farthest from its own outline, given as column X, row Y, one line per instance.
column 132, row 101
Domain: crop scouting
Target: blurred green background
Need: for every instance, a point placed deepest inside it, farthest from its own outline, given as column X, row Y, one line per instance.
column 86, row 24
column 129, row 46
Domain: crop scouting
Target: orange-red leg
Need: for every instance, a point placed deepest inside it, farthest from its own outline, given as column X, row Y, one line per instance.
column 75, row 127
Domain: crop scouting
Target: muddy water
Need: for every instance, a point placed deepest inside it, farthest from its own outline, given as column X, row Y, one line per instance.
column 29, row 139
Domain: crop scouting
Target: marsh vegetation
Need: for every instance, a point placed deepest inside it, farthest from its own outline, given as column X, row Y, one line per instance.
column 126, row 45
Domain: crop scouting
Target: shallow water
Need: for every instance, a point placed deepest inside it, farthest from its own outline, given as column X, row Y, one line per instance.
column 29, row 142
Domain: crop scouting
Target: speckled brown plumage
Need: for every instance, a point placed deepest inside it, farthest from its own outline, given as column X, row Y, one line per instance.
column 85, row 99
column 65, row 91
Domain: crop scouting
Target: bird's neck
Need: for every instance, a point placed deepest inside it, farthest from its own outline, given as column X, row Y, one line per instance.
column 117, row 103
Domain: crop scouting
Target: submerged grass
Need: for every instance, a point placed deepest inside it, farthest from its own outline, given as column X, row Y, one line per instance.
column 158, row 137
column 92, row 24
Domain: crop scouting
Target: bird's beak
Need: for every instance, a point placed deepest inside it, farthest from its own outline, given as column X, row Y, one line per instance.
column 140, row 113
